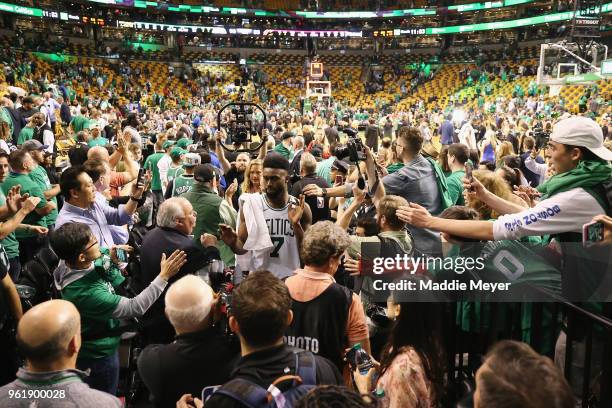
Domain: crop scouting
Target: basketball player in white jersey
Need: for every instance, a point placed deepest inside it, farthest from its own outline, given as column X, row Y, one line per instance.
column 286, row 220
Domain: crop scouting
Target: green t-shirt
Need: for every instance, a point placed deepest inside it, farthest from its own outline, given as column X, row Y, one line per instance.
column 10, row 243
column 99, row 141
column 27, row 133
column 79, row 123
column 455, row 187
column 151, row 164
column 30, row 187
column 94, row 295
column 40, row 177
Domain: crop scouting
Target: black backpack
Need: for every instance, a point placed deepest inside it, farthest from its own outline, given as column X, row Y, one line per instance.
column 254, row 396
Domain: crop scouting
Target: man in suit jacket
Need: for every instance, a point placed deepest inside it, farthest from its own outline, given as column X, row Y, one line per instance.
column 372, row 134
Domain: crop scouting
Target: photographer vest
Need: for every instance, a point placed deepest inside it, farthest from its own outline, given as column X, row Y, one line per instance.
column 319, row 325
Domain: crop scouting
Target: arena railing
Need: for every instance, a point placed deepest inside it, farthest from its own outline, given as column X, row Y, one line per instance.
column 588, row 347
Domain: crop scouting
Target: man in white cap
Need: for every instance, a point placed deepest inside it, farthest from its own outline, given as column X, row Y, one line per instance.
column 198, row 357
column 96, row 135
column 569, row 200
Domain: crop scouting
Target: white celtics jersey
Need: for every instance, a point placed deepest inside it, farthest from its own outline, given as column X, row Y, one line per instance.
column 284, row 257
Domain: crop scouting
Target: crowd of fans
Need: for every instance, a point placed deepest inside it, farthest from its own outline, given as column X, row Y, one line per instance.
column 246, row 269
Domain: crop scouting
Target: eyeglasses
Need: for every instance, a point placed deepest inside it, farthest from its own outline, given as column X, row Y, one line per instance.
column 90, row 246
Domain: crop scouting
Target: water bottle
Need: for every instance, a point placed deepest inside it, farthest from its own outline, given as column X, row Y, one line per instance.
column 363, row 361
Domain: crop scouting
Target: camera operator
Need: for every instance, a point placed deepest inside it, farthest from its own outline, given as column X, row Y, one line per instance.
column 318, row 205
column 175, row 224
column 327, row 317
column 261, row 313
column 171, row 370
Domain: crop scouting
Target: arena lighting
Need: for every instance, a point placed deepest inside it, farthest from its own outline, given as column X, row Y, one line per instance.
column 315, row 33
column 458, row 115
column 187, row 8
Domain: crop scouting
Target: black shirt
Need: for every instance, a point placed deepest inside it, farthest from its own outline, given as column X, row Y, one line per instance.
column 265, row 366
column 230, row 176
column 166, row 240
column 318, row 205
column 187, row 365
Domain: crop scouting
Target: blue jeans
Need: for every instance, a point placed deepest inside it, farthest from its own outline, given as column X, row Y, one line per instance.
column 104, row 375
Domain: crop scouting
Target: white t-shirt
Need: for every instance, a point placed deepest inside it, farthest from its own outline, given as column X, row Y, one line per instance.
column 163, row 165
column 563, row 212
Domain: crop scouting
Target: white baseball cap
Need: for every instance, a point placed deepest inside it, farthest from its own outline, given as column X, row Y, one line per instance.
column 583, row 132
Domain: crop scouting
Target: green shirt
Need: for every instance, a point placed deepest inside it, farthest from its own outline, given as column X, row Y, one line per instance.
column 99, row 141
column 10, row 243
column 94, row 296
column 212, row 210
column 27, row 133
column 455, row 187
column 151, row 164
column 283, row 151
column 40, row 177
column 30, row 187
column 79, row 123
column 174, row 172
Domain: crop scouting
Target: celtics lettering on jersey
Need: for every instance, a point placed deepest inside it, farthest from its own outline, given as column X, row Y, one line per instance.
column 182, row 184
column 284, row 256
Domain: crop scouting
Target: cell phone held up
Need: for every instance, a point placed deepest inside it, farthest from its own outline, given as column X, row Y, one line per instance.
column 140, row 178
column 592, row 233
column 469, row 168
column 122, row 255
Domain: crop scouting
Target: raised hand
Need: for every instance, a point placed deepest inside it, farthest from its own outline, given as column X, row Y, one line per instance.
column 414, row 214
column 295, row 211
column 312, row 190
column 171, row 265
column 228, row 235
column 29, row 204
column 208, row 240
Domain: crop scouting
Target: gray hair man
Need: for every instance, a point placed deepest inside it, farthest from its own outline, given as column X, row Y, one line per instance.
column 49, row 337
column 189, row 303
column 175, row 222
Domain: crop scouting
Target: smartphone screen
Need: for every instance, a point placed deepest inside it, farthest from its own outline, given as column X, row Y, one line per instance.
column 140, row 179
column 592, row 233
column 121, row 255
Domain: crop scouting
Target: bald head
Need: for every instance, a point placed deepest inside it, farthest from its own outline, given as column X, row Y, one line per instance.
column 188, row 304
column 45, row 332
column 98, row 152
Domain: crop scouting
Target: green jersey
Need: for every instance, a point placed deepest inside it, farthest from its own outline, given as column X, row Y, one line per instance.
column 151, row 164
column 40, row 177
column 174, row 172
column 10, row 243
column 182, row 184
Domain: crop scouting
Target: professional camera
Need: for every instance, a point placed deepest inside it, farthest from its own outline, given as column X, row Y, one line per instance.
column 240, row 127
column 354, row 148
column 540, row 135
